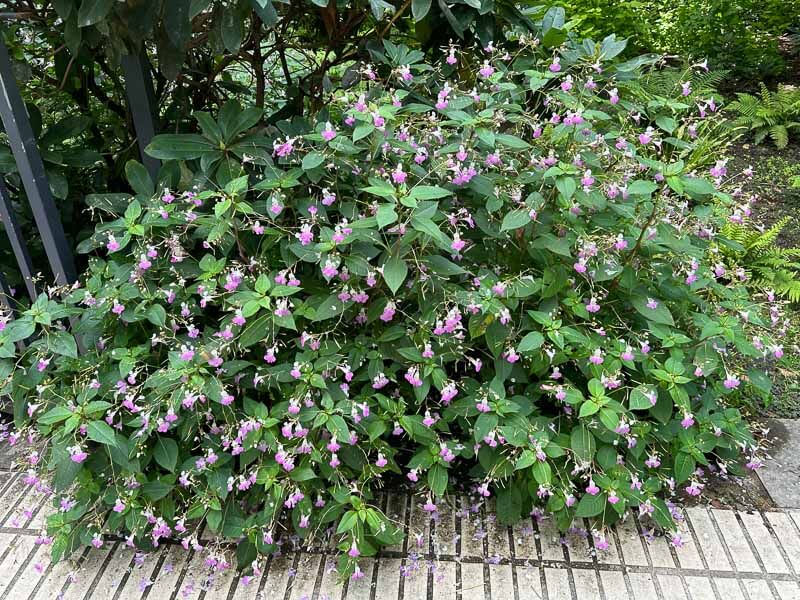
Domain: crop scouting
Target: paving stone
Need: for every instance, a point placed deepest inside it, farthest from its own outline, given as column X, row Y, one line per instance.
column 706, row 536
column 524, row 536
column 277, row 577
column 781, row 475
column 550, row 538
column 307, row 569
column 472, row 533
column 642, row 586
column 757, row 588
column 167, row 578
column 224, row 583
column 141, row 574
column 700, row 588
column 586, row 585
column 766, row 545
column 444, row 542
column 501, row 581
column 496, row 534
column 194, row 577
column 396, row 510
column 418, row 526
column 472, row 584
column 444, row 581
column 79, row 584
column 25, row 580
column 361, row 589
column 688, row 553
column 631, row 543
column 529, row 582
column 557, row 581
column 729, row 589
column 788, row 590
column 787, row 535
column 388, row 579
column 614, row 585
column 672, row 587
column 331, row 587
column 54, row 580
column 736, row 541
column 660, row 554
column 113, row 577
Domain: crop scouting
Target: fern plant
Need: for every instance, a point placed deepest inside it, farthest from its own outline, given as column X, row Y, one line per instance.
column 765, row 264
column 668, row 97
column 772, row 114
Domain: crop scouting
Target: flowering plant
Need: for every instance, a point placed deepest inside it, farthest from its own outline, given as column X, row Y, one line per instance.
column 510, row 283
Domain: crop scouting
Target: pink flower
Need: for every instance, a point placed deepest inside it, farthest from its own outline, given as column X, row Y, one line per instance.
column 555, row 66
column 592, row 306
column 486, row 70
column 597, row 357
column 592, row 489
column 731, row 382
column 329, row 132
column 119, row 506
column 77, row 454
column 398, row 175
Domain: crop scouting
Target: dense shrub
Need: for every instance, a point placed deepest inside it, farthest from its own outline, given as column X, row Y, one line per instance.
column 508, row 284
column 742, row 36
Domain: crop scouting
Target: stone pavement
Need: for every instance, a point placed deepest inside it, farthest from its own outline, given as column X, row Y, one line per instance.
column 728, row 555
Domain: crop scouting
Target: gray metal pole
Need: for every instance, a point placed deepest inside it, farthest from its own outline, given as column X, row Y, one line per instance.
column 18, row 245
column 31, row 170
column 141, row 98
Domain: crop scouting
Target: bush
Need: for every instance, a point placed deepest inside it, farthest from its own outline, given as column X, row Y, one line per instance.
column 742, row 36
column 507, row 284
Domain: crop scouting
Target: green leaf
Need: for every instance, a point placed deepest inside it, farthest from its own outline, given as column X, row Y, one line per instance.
column 157, row 315
column 176, row 21
column 582, row 443
column 55, row 415
column 331, row 307
column 266, row 11
column 509, row 504
column 515, row 219
column 684, row 467
column 93, row 11
column 428, row 192
column 166, row 453
column 532, row 341
column 485, row 423
column 139, row 178
column 588, row 408
column 395, row 271
column 640, row 397
column 659, row 314
column 386, row 215
column 312, row 160
column 157, row 489
column 63, row 343
column 642, row 187
column 180, row 146
column 590, row 506
column 101, row 432
column 437, row 479
column 420, row 8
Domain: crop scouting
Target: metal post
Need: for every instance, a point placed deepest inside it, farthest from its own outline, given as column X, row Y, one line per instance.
column 141, row 98
column 31, row 171
column 18, row 245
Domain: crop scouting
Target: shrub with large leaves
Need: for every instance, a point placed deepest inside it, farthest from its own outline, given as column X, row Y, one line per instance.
column 507, row 285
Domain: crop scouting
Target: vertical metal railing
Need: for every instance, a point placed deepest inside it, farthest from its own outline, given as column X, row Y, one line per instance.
column 142, row 102
column 16, row 122
column 31, row 171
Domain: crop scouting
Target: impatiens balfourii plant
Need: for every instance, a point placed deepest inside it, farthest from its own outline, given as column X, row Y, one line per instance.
column 507, row 283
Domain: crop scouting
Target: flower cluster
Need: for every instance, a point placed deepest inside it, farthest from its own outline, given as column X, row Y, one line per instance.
column 510, row 277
